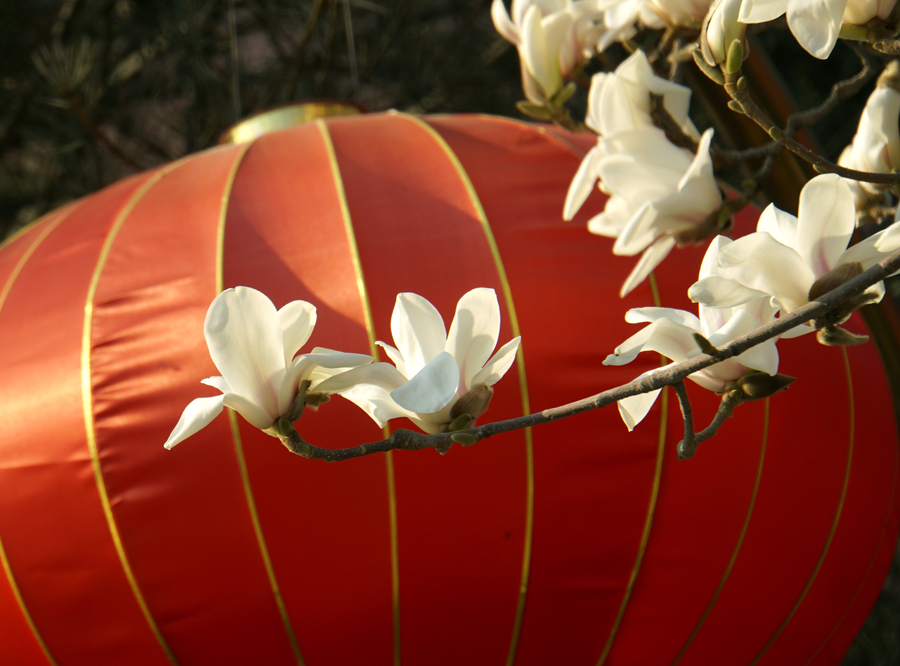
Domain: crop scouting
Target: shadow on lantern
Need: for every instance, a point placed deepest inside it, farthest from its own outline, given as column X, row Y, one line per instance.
column 577, row 543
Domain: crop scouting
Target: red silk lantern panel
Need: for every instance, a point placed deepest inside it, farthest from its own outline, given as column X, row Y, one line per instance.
column 574, row 543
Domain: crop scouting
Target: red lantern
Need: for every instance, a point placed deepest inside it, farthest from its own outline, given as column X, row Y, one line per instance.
column 577, row 543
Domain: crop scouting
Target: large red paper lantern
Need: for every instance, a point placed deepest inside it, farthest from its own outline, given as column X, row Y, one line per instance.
column 577, row 543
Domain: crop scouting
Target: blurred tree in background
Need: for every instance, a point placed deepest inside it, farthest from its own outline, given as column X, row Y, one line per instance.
column 94, row 90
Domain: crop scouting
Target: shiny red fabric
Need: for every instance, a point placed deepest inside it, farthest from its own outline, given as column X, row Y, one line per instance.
column 768, row 547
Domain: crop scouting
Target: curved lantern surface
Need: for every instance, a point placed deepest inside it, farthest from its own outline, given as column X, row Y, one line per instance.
column 574, row 543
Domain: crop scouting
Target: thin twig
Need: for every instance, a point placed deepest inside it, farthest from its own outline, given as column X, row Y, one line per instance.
column 688, row 447
column 408, row 440
column 687, row 415
column 839, row 92
column 741, row 95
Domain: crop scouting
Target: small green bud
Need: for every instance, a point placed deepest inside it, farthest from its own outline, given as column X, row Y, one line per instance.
column 461, row 422
column 734, row 106
column 534, row 111
column 284, row 427
column 464, row 438
column 735, row 57
column 776, row 133
column 742, row 83
column 565, row 94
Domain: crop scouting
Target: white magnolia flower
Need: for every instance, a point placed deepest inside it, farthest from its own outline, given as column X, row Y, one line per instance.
column 660, row 195
column 876, row 146
column 671, row 333
column 253, row 346
column 721, row 28
column 788, row 254
column 435, row 370
column 553, row 38
column 816, row 24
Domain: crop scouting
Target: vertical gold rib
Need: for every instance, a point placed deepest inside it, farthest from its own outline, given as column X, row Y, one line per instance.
column 4, row 560
column 374, row 351
column 654, row 494
column 837, row 513
column 523, row 383
column 235, row 428
column 740, row 541
column 87, row 402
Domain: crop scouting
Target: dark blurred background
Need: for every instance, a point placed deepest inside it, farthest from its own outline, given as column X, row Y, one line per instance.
column 94, row 90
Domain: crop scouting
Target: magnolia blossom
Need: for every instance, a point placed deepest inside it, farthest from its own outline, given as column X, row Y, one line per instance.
column 620, row 101
column 817, row 24
column 876, row 146
column 720, row 28
column 660, row 195
column 788, row 255
column 671, row 333
column 553, row 38
column 437, row 376
column 253, row 346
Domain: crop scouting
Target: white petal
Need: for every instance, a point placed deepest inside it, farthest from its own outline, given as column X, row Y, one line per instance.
column 763, row 357
column 651, row 258
column 494, row 369
column 651, row 314
column 542, row 64
column 668, row 337
column 582, row 184
column 418, row 331
column 196, row 416
column 217, row 382
column 432, row 388
column 826, row 220
column 718, row 292
column 243, row 333
column 760, row 262
column 252, row 413
column 760, row 11
column 780, row 225
column 473, row 333
column 298, row 319
column 816, row 24
column 503, row 24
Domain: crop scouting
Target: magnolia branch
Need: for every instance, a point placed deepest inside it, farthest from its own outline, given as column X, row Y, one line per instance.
column 408, row 440
column 742, row 101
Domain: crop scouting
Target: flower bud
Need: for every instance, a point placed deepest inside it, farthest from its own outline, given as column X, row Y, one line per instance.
column 720, row 30
column 759, row 385
column 474, row 403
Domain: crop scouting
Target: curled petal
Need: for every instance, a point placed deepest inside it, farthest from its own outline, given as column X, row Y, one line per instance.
column 298, row 319
column 369, row 387
column 582, row 184
column 218, row 383
column 494, row 369
column 432, row 388
column 651, row 258
column 665, row 336
column 196, row 416
column 718, row 292
column 503, row 24
column 651, row 314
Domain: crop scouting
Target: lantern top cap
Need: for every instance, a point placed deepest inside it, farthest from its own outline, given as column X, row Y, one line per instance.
column 288, row 115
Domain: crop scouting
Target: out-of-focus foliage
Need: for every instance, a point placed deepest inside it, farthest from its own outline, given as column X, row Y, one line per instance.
column 93, row 90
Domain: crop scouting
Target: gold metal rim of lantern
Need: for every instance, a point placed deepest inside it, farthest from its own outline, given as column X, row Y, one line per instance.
column 286, row 116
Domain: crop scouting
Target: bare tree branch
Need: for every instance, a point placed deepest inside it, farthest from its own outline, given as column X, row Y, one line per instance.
column 407, row 440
